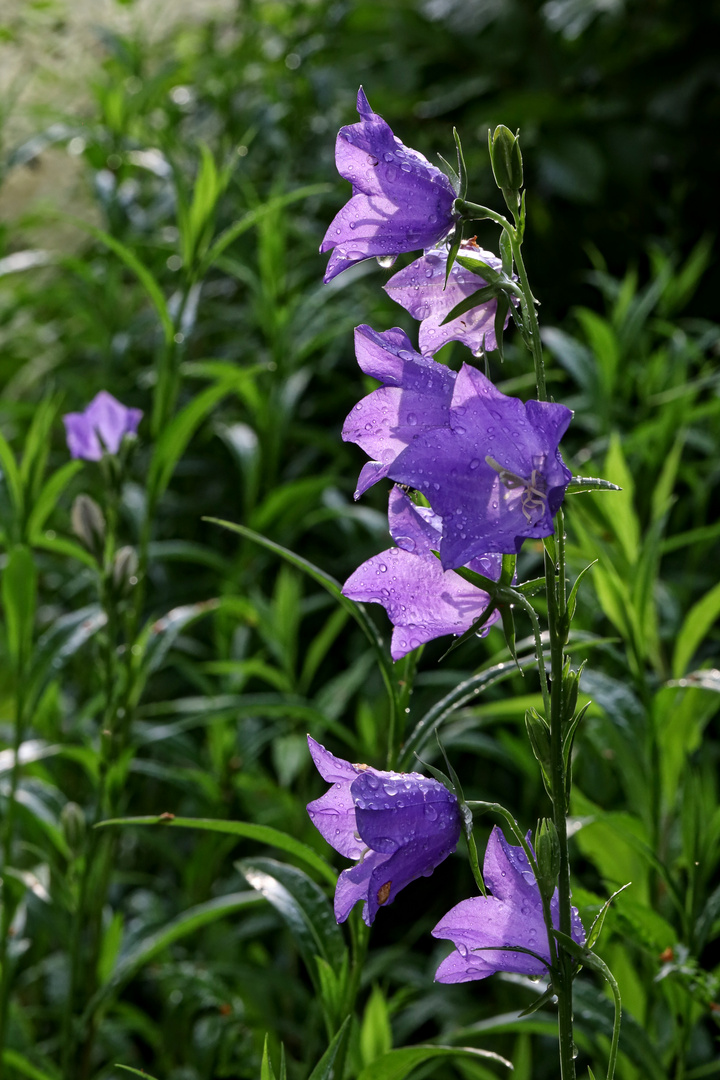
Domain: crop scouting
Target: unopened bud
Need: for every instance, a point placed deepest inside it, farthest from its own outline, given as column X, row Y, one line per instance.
column 506, row 161
column 124, row 570
column 547, row 851
column 72, row 821
column 88, row 524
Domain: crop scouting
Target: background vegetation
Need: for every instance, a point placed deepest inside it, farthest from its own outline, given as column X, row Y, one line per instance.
column 188, row 284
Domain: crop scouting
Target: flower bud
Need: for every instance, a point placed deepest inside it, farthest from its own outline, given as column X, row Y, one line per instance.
column 88, row 524
column 506, row 161
column 547, row 848
column 72, row 821
column 124, row 570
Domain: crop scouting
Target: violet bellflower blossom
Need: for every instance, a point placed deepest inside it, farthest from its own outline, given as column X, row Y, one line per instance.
column 422, row 600
column 400, row 826
column 487, row 463
column 100, row 427
column 483, row 927
column 400, row 202
column 420, row 289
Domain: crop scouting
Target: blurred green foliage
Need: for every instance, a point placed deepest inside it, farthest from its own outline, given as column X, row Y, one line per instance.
column 190, row 278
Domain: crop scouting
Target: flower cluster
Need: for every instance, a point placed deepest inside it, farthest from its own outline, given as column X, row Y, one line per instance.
column 487, row 475
column 488, row 465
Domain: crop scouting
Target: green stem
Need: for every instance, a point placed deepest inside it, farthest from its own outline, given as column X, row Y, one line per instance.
column 530, row 316
column 556, row 591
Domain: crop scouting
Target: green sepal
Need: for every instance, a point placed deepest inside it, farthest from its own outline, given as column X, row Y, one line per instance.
column 451, row 172
column 572, row 598
column 488, row 292
column 539, row 736
column 453, row 249
column 461, row 166
column 538, row 1003
column 547, row 850
column 508, row 625
column 589, row 483
column 596, row 928
column 501, row 310
column 507, row 573
column 567, row 752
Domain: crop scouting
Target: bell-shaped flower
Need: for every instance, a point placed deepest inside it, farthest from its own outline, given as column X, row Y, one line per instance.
column 487, row 463
column 487, row 929
column 100, row 428
column 399, row 826
column 422, row 600
column 420, row 288
column 400, row 202
column 414, row 398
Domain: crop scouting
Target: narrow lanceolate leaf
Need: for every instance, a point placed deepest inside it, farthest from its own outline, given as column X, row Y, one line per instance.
column 154, row 943
column 263, row 834
column 20, row 1065
column 140, row 271
column 400, row 1063
column 302, row 905
column 334, row 588
column 325, row 1068
column 696, row 624
column 135, row 1072
column 19, row 586
column 589, row 483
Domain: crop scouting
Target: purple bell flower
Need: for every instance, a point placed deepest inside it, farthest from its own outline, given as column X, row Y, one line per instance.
column 422, row 600
column 420, row 289
column 511, row 916
column 400, row 826
column 100, row 427
column 414, row 399
column 487, row 463
column 400, row 202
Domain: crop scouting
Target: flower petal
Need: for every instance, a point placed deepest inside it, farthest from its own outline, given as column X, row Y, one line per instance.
column 333, row 815
column 400, row 202
column 420, row 288
column 331, row 768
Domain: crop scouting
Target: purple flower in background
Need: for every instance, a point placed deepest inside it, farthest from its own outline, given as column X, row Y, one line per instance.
column 415, row 397
column 101, row 426
column 400, row 202
column 512, row 916
column 423, row 602
column 488, row 464
column 400, row 826
column 420, row 289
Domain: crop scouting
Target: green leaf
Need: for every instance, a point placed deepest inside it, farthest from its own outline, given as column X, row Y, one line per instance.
column 334, row 588
column 304, row 908
column 21, row 1065
column 11, row 475
column 398, row 1064
column 141, row 272
column 19, row 588
column 156, row 942
column 325, row 1068
column 596, row 928
column 176, row 435
column 696, row 624
column 47, row 500
column 234, row 231
column 589, row 483
column 375, row 1030
column 263, row 834
column 266, row 1068
column 135, row 1072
